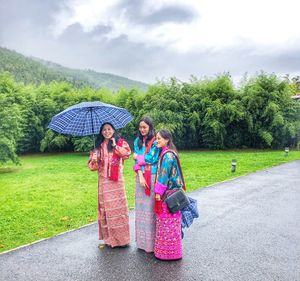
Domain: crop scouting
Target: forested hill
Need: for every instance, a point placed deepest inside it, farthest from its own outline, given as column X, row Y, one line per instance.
column 33, row 70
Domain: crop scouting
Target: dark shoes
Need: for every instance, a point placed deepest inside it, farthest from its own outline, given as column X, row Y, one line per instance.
column 123, row 246
column 102, row 246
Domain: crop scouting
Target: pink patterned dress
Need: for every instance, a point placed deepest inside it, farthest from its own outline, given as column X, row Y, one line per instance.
column 113, row 214
column 168, row 242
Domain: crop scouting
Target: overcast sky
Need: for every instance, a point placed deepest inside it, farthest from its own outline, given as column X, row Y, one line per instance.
column 157, row 39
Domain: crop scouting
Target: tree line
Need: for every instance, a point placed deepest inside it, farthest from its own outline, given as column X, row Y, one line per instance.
column 201, row 113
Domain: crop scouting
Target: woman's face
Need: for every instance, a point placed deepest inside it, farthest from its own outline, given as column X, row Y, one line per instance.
column 161, row 142
column 107, row 131
column 144, row 128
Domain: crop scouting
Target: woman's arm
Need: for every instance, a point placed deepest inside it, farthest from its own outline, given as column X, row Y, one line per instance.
column 163, row 176
column 136, row 166
column 93, row 161
column 151, row 157
column 123, row 150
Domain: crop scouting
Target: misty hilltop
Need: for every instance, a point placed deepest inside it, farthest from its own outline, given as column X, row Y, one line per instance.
column 36, row 71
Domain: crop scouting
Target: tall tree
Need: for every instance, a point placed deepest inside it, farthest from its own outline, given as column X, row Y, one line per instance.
column 270, row 110
column 9, row 119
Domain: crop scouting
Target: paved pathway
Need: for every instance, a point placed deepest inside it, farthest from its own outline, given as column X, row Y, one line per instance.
column 249, row 230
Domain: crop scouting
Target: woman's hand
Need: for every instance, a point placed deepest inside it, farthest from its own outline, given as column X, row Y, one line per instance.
column 157, row 197
column 113, row 142
column 143, row 182
column 135, row 156
column 94, row 157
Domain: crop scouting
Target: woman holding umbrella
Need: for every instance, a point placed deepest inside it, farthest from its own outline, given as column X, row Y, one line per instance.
column 108, row 159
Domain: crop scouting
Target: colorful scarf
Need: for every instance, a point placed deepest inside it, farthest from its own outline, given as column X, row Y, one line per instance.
column 148, row 169
column 158, row 203
column 115, row 163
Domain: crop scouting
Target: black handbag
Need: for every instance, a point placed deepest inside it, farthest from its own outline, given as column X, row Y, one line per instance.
column 177, row 200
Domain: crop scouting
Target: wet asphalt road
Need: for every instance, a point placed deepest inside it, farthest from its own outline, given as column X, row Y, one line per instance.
column 249, row 229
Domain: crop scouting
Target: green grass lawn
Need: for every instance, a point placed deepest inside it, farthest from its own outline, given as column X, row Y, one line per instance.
column 49, row 194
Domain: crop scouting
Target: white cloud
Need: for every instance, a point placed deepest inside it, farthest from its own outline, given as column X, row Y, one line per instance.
column 89, row 14
column 217, row 24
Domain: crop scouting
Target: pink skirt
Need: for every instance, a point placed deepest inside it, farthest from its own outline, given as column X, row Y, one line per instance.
column 113, row 215
column 168, row 242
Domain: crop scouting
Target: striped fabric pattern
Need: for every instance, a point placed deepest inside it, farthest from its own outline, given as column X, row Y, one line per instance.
column 145, row 219
column 113, row 218
column 189, row 213
column 113, row 213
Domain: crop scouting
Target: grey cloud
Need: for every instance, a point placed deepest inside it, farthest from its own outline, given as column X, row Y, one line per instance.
column 35, row 11
column 288, row 61
column 20, row 21
column 171, row 13
column 24, row 27
column 101, row 30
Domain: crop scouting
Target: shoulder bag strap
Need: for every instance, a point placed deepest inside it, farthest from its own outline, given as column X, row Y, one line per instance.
column 178, row 161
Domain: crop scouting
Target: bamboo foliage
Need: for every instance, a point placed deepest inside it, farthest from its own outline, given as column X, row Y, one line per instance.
column 208, row 113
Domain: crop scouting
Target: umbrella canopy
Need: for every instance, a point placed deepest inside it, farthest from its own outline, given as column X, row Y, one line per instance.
column 86, row 118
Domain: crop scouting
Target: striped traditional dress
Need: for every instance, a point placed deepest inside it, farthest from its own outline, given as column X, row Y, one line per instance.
column 113, row 215
column 145, row 219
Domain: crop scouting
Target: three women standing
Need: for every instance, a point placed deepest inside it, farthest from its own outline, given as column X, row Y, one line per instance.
column 158, row 174
column 108, row 158
column 146, row 154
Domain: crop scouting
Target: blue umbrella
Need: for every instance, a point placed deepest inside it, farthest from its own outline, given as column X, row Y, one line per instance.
column 86, row 118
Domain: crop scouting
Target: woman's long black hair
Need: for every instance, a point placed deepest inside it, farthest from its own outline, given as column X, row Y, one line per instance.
column 166, row 134
column 151, row 133
column 100, row 137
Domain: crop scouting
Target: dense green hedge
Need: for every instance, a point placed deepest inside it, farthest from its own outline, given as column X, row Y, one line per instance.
column 210, row 113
